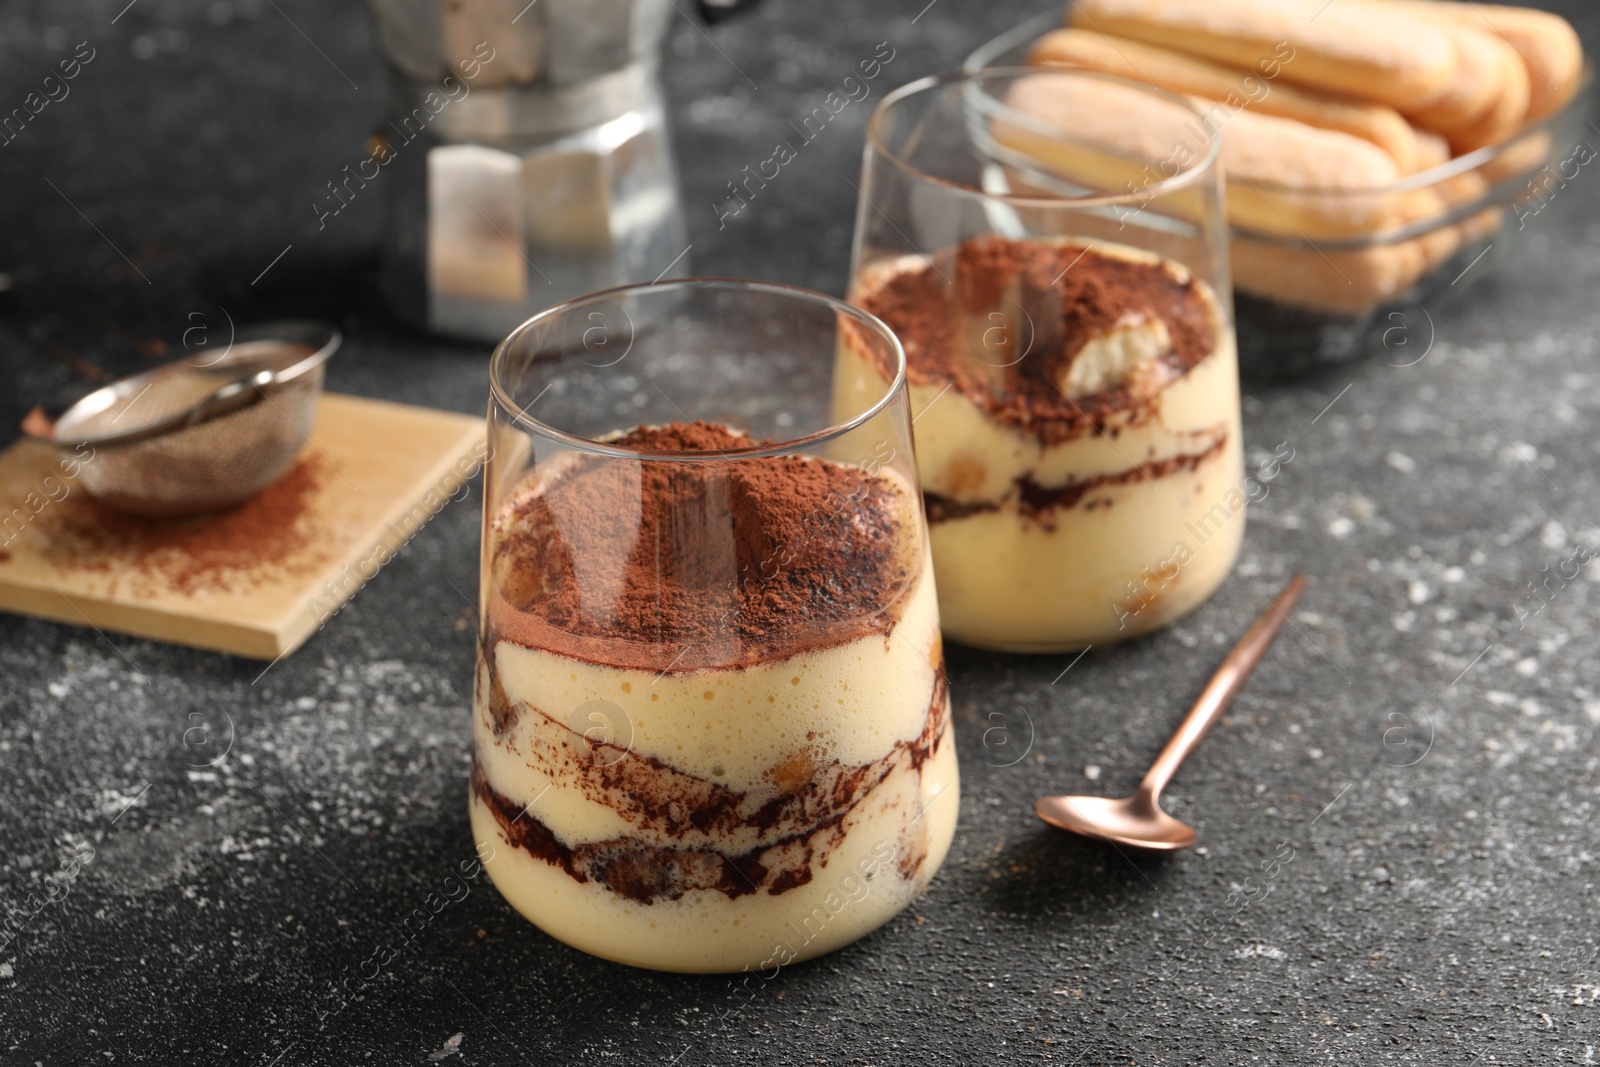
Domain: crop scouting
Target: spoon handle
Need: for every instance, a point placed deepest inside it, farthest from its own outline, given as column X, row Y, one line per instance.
column 1220, row 691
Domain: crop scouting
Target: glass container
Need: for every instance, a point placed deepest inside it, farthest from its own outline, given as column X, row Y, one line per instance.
column 711, row 729
column 1065, row 309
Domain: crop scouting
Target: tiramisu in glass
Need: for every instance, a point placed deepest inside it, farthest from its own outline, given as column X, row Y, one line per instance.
column 1064, row 311
column 711, row 729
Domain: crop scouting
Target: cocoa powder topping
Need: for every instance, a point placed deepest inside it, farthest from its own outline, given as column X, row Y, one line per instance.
column 659, row 563
column 1001, row 320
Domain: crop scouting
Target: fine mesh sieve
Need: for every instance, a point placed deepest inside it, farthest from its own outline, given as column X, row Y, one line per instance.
column 204, row 432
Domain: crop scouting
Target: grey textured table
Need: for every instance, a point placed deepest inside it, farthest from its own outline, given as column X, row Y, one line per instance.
column 1399, row 854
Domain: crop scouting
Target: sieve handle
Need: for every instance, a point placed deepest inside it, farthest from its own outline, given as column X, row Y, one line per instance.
column 237, row 394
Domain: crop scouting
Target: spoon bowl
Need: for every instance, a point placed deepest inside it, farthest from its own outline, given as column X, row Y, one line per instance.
column 1133, row 821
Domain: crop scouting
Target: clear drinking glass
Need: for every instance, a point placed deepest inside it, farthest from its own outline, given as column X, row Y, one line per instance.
column 711, row 728
column 1049, row 246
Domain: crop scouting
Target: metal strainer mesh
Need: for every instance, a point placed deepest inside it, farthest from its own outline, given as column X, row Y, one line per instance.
column 138, row 465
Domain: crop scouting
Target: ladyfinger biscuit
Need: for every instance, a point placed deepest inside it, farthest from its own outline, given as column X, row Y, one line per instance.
column 1432, row 149
column 1382, row 55
column 1346, row 280
column 1104, row 135
column 1181, row 73
column 1439, row 243
column 1284, row 177
column 1521, row 158
column 1464, row 188
column 1506, row 117
column 1484, row 224
column 1342, row 281
column 1488, row 100
column 1547, row 45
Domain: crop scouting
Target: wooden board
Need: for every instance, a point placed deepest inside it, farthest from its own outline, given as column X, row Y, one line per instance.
column 257, row 580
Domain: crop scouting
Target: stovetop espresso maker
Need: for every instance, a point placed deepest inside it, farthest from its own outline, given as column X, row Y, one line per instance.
column 528, row 155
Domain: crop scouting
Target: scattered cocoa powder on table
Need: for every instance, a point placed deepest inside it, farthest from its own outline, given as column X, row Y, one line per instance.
column 271, row 535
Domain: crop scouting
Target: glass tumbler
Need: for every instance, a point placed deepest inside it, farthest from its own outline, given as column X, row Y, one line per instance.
column 711, row 730
column 1049, row 246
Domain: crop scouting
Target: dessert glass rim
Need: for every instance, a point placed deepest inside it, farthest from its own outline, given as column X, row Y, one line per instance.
column 1025, row 33
column 517, row 414
column 1197, row 171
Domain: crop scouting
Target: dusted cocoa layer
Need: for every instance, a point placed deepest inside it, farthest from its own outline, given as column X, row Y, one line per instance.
column 682, row 565
column 1052, row 299
column 797, row 829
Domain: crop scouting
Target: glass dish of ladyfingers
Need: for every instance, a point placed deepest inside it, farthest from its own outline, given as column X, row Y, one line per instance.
column 1382, row 156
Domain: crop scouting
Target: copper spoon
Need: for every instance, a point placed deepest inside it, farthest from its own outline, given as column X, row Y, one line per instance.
column 1138, row 821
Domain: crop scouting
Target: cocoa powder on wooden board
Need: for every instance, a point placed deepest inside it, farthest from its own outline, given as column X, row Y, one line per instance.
column 271, row 535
